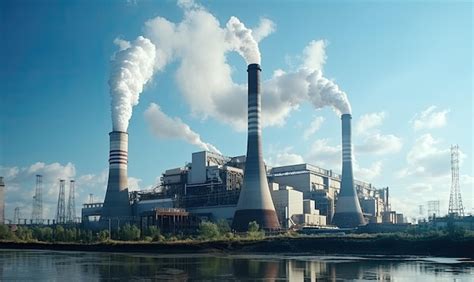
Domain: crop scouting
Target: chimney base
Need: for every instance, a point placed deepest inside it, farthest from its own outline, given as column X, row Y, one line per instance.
column 266, row 219
column 348, row 219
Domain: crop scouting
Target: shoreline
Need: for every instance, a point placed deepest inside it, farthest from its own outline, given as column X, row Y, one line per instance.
column 447, row 247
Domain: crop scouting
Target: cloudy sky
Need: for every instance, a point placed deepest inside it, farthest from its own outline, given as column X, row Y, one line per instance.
column 175, row 76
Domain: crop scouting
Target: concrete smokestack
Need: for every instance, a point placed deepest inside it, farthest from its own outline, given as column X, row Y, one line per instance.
column 116, row 203
column 348, row 212
column 255, row 202
column 2, row 201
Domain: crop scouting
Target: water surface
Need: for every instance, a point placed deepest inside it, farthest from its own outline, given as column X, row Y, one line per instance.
column 74, row 266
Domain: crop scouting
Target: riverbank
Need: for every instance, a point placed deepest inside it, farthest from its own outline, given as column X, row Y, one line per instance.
column 439, row 246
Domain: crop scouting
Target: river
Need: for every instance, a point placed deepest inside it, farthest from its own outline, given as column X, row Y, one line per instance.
column 86, row 266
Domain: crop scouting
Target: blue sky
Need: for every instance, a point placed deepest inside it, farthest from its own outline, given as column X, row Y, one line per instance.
column 406, row 68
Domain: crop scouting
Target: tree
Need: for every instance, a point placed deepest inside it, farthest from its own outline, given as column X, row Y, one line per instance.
column 254, row 231
column 5, row 232
column 208, row 231
column 103, row 235
column 59, row 234
column 223, row 226
column 24, row 233
column 129, row 233
column 154, row 232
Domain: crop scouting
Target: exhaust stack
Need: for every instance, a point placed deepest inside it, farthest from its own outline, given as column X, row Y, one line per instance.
column 348, row 212
column 116, row 202
column 255, row 202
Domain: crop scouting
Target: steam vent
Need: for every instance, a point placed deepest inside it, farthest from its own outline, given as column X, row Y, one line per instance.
column 348, row 212
column 255, row 202
column 116, row 203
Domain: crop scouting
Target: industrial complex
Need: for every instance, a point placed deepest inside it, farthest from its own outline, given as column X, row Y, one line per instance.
column 239, row 190
column 242, row 189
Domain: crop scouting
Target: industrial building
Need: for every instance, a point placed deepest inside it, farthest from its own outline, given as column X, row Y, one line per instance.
column 241, row 189
column 209, row 186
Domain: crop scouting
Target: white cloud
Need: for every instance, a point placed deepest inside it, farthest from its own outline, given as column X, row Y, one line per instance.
column 205, row 80
column 374, row 142
column 379, row 144
column 369, row 121
column 369, row 173
column 430, row 118
column 285, row 157
column 313, row 127
column 427, row 159
column 325, row 155
column 264, row 29
column 163, row 126
column 314, row 55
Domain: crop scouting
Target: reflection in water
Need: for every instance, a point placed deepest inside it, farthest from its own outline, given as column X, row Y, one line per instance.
column 69, row 266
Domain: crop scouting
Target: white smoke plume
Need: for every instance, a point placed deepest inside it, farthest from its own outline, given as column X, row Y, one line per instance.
column 204, row 76
column 242, row 41
column 324, row 92
column 131, row 69
column 164, row 126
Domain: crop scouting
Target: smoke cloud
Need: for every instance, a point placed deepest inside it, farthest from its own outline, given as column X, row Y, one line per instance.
column 164, row 126
column 204, row 76
column 324, row 92
column 131, row 68
column 242, row 41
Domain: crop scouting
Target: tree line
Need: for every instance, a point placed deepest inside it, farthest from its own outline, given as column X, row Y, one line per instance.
column 206, row 231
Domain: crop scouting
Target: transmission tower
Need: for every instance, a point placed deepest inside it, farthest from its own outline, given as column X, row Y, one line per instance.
column 16, row 216
column 433, row 208
column 455, row 201
column 71, row 202
column 61, row 211
column 37, row 213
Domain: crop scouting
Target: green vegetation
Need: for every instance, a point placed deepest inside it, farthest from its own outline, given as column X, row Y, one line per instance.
column 254, row 231
column 208, row 231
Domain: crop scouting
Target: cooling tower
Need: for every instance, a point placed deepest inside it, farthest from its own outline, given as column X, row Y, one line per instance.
column 116, row 202
column 255, row 202
column 348, row 212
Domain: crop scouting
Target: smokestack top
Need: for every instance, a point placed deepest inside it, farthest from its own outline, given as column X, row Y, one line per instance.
column 346, row 116
column 254, row 66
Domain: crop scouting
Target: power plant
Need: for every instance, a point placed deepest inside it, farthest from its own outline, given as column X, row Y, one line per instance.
column 255, row 202
column 116, row 203
column 348, row 212
column 240, row 189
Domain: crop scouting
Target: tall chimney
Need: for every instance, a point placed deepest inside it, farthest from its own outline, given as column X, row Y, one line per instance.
column 116, row 202
column 348, row 212
column 255, row 202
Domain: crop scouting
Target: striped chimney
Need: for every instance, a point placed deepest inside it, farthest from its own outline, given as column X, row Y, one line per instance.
column 116, row 202
column 348, row 212
column 255, row 202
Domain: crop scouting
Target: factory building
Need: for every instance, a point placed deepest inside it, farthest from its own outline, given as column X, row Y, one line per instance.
column 209, row 186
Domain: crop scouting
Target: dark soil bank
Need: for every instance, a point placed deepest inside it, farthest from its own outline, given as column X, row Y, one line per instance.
column 451, row 247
